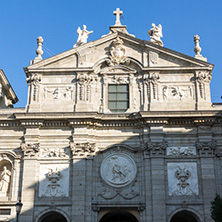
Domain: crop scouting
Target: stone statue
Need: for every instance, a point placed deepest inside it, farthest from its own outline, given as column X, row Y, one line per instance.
column 5, row 179
column 82, row 36
column 155, row 34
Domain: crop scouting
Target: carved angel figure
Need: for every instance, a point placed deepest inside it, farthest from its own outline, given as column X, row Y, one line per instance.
column 155, row 34
column 5, row 179
column 82, row 36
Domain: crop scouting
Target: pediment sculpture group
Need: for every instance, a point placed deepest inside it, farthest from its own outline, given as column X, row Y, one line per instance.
column 155, row 34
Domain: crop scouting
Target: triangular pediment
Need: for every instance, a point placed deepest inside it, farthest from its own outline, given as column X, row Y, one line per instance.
column 144, row 52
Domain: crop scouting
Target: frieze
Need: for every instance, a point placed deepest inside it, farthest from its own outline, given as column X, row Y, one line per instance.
column 58, row 93
column 83, row 149
column 181, row 151
column 30, row 150
column 176, row 92
column 182, row 179
column 53, row 152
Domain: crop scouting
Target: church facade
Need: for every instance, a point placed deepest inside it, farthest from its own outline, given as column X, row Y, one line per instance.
column 118, row 129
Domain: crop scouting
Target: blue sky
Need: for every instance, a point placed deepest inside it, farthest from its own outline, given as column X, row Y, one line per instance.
column 22, row 21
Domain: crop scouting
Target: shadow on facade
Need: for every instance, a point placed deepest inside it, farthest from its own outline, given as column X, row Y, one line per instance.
column 127, row 181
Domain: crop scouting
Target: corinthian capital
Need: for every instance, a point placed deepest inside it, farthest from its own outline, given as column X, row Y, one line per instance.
column 83, row 149
column 30, row 149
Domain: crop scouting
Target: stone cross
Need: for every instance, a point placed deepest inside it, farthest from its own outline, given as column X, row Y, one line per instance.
column 117, row 13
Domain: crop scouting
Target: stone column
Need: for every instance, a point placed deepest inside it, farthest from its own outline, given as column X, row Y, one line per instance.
column 29, row 182
column 156, row 151
column 206, row 152
column 82, row 181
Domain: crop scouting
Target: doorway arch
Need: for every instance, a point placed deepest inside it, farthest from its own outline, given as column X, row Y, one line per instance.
column 184, row 216
column 52, row 217
column 118, row 216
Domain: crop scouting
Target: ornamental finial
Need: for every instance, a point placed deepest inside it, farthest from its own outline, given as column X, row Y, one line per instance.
column 197, row 48
column 39, row 50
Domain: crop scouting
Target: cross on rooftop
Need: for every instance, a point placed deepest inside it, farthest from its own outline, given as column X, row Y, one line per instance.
column 117, row 13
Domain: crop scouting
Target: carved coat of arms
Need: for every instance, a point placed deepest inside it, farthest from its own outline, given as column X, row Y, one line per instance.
column 117, row 52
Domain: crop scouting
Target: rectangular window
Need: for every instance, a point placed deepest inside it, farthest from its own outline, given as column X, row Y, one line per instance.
column 118, row 97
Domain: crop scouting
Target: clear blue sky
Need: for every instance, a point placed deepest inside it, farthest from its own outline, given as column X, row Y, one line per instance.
column 22, row 21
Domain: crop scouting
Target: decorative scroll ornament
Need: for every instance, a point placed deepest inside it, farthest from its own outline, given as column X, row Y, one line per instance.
column 34, row 81
column 155, row 148
column 30, row 150
column 202, row 77
column 117, row 52
column 83, row 149
column 206, row 148
column 53, row 189
column 127, row 193
column 85, row 81
column 118, row 170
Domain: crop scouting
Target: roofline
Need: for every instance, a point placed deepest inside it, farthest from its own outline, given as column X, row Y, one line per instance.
column 7, row 87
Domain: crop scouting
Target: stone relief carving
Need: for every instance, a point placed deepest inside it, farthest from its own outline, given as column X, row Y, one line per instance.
column 153, row 57
column 53, row 189
column 118, row 170
column 5, row 178
column 128, row 192
column 84, row 81
column 206, row 148
column 34, row 81
column 59, row 92
column 30, row 150
column 182, row 179
column 54, row 180
column 117, row 52
column 177, row 92
column 53, row 152
column 155, row 148
column 202, row 77
column 181, row 151
column 119, row 80
column 83, row 149
column 155, row 34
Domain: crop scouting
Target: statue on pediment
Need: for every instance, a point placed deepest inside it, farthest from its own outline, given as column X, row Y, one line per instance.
column 82, row 36
column 155, row 34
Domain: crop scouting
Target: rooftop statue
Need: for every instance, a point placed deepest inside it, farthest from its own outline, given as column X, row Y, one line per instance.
column 155, row 34
column 82, row 36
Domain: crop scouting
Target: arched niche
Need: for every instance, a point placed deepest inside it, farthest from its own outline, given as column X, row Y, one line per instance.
column 118, row 216
column 185, row 216
column 6, row 171
column 52, row 216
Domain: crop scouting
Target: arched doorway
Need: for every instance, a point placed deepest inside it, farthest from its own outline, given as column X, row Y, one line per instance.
column 118, row 216
column 52, row 217
column 184, row 216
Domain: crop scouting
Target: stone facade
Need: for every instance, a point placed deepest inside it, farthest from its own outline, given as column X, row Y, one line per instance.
column 68, row 154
